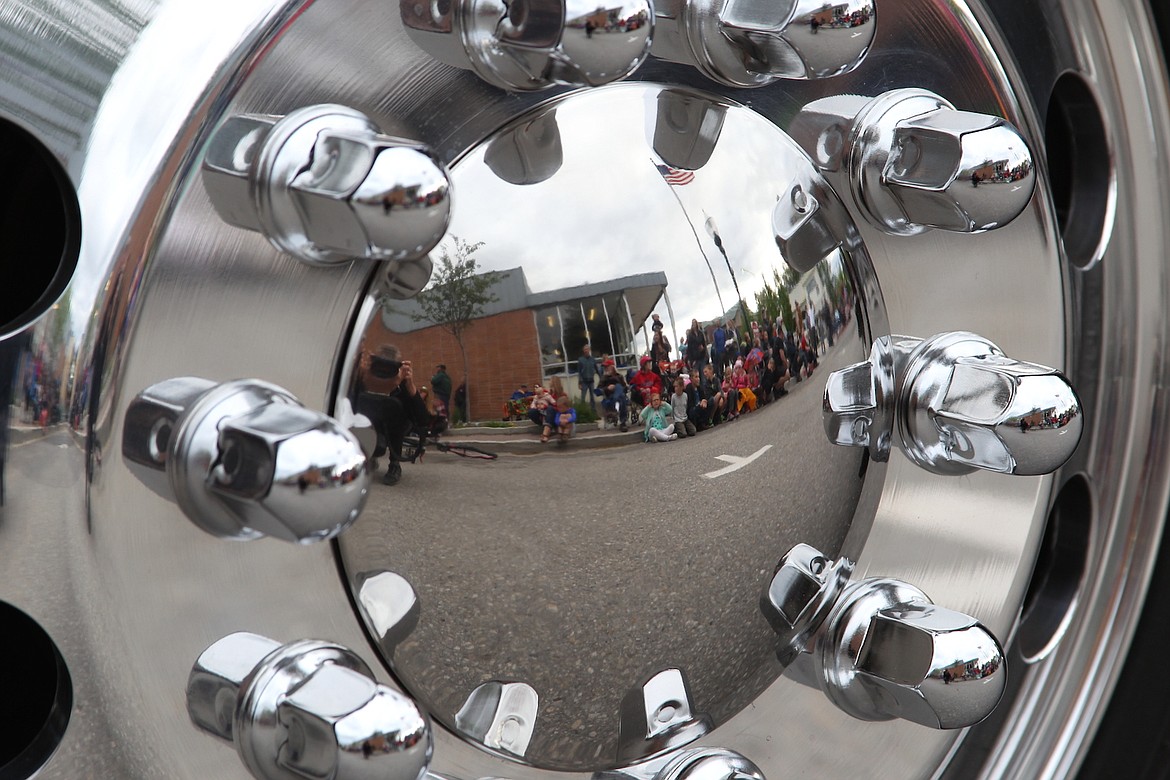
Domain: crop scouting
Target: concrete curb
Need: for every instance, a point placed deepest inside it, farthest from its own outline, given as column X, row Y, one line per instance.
column 531, row 444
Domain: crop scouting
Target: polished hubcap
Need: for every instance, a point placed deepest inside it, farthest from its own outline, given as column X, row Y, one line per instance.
column 985, row 275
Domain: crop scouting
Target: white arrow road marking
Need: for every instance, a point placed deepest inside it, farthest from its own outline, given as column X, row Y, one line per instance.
column 736, row 462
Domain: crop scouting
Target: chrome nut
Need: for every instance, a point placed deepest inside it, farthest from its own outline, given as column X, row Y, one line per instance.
column 859, row 402
column 936, row 667
column 806, row 40
column 501, row 715
column 231, row 153
column 954, row 403
column 805, row 231
column 325, row 186
column 530, row 45
column 752, row 43
column 686, row 129
column 306, row 709
column 710, row 764
column 213, row 688
column 245, row 459
column 390, row 607
column 401, row 280
column 850, row 404
column 968, row 406
column 372, row 197
column 797, row 600
column 658, row 716
column 529, row 153
column 290, row 473
column 824, row 129
column 917, row 163
column 252, row 159
column 914, row 162
column 889, row 652
column 960, row 171
column 151, row 420
column 341, row 724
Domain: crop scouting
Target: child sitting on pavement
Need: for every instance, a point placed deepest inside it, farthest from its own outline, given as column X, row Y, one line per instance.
column 681, row 410
column 565, row 418
column 657, row 419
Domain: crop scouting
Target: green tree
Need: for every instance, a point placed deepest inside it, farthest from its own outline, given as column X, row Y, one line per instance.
column 774, row 301
column 767, row 303
column 456, row 296
column 791, row 277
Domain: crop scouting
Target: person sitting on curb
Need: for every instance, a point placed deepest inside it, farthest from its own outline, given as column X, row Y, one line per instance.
column 565, row 419
column 657, row 417
column 742, row 382
column 613, row 388
column 711, row 398
column 680, row 404
column 538, row 407
column 516, row 407
column 774, row 378
column 646, row 382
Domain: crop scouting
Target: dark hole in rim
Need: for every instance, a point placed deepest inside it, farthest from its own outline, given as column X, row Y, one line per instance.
column 38, row 697
column 1079, row 169
column 1060, row 568
column 40, row 220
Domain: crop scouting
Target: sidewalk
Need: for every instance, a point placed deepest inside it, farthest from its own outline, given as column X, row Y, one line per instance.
column 524, row 438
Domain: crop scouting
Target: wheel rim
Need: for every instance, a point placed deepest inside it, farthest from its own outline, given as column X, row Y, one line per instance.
column 1099, row 315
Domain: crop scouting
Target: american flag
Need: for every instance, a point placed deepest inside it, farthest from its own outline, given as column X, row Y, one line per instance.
column 676, row 176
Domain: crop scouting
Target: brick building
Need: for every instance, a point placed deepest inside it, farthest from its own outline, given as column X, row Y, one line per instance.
column 525, row 337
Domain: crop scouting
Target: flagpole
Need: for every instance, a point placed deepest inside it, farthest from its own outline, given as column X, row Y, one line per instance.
column 695, row 233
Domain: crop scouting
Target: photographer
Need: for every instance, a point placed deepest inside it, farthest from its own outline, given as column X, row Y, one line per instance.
column 386, row 393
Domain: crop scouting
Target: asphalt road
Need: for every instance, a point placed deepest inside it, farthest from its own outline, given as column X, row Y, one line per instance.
column 584, row 573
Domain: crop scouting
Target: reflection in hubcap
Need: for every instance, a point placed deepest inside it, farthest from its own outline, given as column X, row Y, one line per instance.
column 640, row 205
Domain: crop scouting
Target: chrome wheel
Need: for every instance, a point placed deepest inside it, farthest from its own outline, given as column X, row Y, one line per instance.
column 642, row 627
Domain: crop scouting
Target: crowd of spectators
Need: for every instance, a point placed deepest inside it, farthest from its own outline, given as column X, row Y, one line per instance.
column 719, row 375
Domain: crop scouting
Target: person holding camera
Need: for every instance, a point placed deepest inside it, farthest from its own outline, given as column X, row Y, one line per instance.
column 386, row 393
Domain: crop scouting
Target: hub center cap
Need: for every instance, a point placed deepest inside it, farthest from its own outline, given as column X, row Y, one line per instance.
column 606, row 600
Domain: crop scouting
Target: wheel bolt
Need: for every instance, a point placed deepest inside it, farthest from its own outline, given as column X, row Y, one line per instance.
column 530, row 45
column 748, row 43
column 325, row 186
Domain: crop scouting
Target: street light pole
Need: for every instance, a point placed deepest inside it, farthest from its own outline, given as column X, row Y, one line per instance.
column 713, row 230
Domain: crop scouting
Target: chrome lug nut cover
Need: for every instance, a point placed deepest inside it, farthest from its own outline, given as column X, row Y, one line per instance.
column 914, row 162
column 752, row 43
column 891, row 653
column 881, row 649
column 860, row 400
column 803, row 589
column 710, row 764
column 968, row 406
column 324, row 185
column 307, row 709
column 244, row 459
column 954, row 403
column 527, row 45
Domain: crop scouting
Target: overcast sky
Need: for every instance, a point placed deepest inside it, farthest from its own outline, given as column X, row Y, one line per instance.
column 607, row 212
